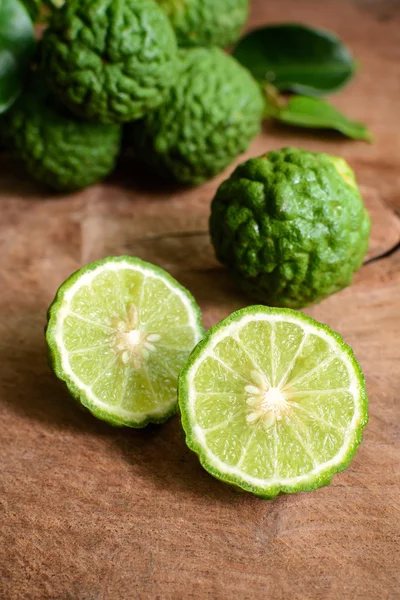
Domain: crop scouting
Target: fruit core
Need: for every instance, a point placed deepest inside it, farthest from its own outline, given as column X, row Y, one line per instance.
column 131, row 344
column 267, row 404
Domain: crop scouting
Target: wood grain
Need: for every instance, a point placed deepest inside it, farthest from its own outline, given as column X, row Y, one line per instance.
column 96, row 513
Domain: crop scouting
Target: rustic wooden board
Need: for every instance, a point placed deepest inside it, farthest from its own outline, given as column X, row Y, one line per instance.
column 96, row 513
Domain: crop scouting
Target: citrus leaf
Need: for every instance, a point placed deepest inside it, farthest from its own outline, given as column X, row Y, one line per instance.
column 17, row 45
column 315, row 113
column 273, row 101
column 296, row 58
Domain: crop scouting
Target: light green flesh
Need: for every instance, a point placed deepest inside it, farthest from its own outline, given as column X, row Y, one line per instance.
column 142, row 385
column 313, row 377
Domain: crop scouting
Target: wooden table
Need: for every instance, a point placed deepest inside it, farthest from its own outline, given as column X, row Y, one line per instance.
column 96, row 513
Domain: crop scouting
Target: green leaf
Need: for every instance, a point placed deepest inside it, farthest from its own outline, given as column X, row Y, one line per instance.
column 274, row 101
column 17, row 45
column 296, row 58
column 316, row 113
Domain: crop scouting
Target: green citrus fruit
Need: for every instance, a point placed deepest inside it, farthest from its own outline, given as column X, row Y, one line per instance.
column 290, row 226
column 210, row 117
column 55, row 146
column 119, row 331
column 109, row 61
column 206, row 22
column 273, row 401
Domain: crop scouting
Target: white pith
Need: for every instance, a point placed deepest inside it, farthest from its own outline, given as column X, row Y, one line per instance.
column 274, row 403
column 131, row 344
column 267, row 404
column 131, row 337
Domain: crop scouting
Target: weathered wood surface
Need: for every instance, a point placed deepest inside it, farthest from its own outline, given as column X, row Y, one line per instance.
column 96, row 513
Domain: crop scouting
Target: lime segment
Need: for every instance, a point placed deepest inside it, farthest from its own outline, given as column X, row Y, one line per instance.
column 118, row 334
column 273, row 401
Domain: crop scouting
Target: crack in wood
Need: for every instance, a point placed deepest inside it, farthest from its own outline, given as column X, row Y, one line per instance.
column 202, row 232
column 386, row 254
column 155, row 237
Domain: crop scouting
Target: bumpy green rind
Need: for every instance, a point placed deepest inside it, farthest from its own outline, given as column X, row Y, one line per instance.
column 268, row 492
column 108, row 61
column 206, row 22
column 209, row 117
column 54, row 146
column 290, row 226
column 54, row 355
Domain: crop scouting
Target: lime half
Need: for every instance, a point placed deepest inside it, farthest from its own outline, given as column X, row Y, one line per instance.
column 273, row 401
column 118, row 333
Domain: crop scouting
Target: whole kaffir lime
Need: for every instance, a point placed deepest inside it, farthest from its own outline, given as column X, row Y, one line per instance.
column 54, row 145
column 206, row 22
column 209, row 117
column 291, row 226
column 109, row 61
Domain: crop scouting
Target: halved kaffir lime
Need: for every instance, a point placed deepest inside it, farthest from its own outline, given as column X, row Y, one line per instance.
column 273, row 401
column 119, row 331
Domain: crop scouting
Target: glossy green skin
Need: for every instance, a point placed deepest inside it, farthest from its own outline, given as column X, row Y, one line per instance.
column 108, row 61
column 57, row 148
column 268, row 492
column 290, row 226
column 206, row 22
column 209, row 118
